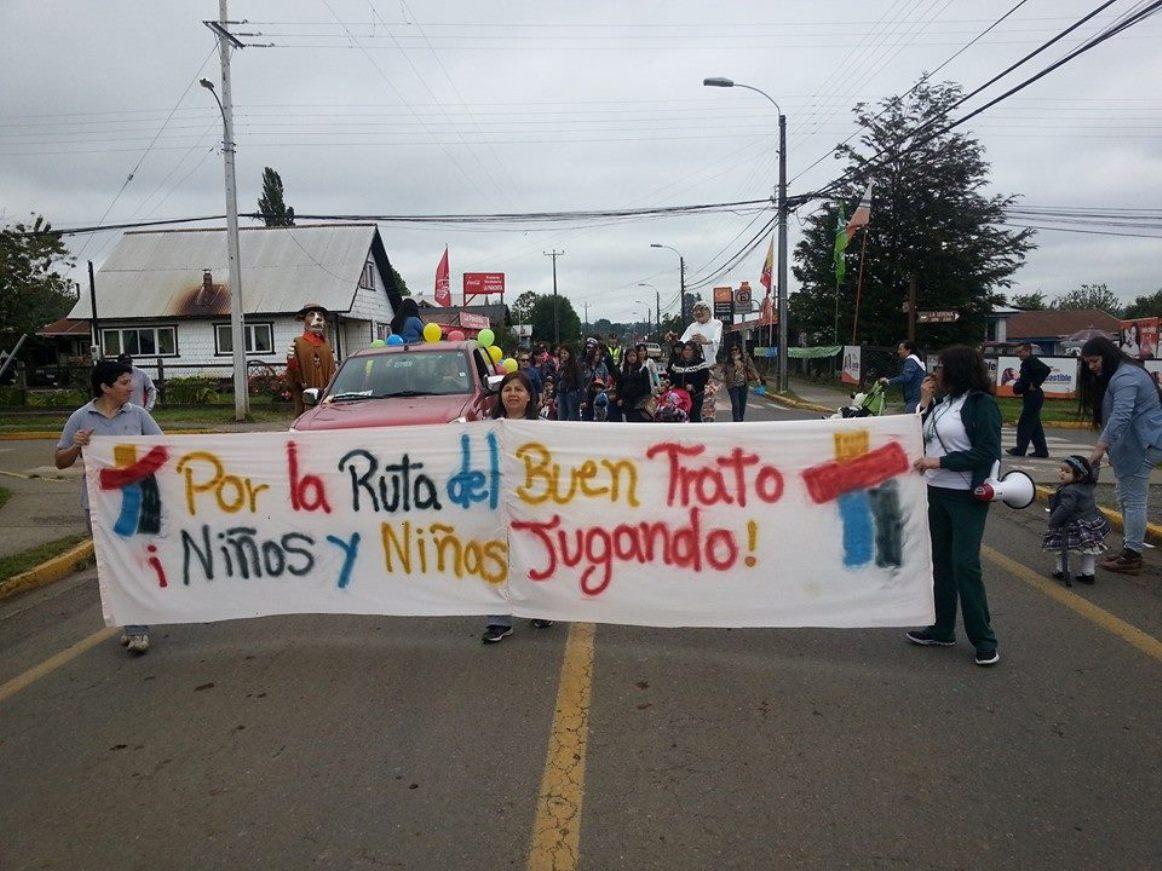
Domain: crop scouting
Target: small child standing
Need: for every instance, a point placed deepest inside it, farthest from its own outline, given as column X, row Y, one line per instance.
column 1075, row 524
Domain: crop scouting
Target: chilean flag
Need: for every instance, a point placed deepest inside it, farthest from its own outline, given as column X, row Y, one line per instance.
column 768, row 266
column 443, row 284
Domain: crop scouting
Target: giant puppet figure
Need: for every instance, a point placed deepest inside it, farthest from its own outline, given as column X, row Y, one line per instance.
column 309, row 361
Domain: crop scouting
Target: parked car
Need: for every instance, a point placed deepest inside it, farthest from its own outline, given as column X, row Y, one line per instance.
column 653, row 350
column 402, row 385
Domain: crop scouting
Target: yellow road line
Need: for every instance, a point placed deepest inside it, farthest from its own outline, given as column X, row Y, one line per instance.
column 557, row 828
column 51, row 664
column 1132, row 635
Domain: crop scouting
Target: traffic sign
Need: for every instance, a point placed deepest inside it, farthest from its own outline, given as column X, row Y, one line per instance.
column 932, row 317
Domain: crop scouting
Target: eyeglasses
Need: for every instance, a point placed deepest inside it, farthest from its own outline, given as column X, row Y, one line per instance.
column 522, row 359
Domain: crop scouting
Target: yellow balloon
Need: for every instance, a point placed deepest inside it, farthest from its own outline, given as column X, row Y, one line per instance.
column 495, row 353
column 432, row 333
column 510, row 364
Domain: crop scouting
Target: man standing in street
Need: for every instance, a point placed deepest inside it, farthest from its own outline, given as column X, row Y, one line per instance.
column 1028, row 387
column 144, row 394
column 910, row 378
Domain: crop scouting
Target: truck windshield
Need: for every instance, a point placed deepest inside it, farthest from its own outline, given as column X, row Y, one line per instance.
column 438, row 373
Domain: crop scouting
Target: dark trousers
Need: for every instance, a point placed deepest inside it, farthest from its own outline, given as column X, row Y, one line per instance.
column 1029, row 423
column 956, row 523
column 696, row 397
column 737, row 402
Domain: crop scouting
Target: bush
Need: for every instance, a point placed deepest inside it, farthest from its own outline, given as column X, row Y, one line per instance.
column 56, row 398
column 194, row 390
column 269, row 383
column 11, row 396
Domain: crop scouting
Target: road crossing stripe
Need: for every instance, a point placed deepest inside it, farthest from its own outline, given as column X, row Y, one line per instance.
column 1132, row 635
column 51, row 664
column 556, row 836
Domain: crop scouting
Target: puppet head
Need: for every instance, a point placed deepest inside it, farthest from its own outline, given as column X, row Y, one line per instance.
column 314, row 318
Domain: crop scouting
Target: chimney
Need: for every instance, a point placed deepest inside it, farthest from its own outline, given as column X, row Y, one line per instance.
column 207, row 291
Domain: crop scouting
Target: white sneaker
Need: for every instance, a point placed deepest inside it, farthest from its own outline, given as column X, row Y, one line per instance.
column 137, row 643
column 124, row 639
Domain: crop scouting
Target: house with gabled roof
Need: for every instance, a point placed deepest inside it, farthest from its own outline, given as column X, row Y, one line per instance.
column 1050, row 328
column 165, row 295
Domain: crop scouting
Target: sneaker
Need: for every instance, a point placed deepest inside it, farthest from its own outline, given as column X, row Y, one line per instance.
column 1013, row 452
column 987, row 657
column 540, row 624
column 494, row 633
column 1128, row 562
column 1087, row 579
column 137, row 643
column 124, row 639
column 1043, row 456
column 928, row 638
column 1058, row 575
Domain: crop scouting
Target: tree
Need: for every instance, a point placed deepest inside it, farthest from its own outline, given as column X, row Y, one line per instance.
column 275, row 212
column 1033, row 302
column 1144, row 307
column 400, row 284
column 928, row 219
column 1089, row 297
column 32, row 292
column 541, row 318
column 522, row 308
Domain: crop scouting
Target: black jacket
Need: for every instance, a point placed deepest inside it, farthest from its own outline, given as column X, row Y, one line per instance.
column 1033, row 375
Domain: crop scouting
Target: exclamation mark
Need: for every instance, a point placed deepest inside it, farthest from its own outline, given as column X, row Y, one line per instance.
column 752, row 540
column 155, row 564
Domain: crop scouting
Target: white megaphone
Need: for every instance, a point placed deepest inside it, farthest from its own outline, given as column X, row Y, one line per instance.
column 1015, row 489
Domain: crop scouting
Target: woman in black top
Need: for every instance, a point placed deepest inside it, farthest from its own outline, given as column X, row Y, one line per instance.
column 690, row 373
column 633, row 387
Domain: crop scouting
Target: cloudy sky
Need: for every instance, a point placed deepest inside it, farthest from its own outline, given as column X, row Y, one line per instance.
column 412, row 107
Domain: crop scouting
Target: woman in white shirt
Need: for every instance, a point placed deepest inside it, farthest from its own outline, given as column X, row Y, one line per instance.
column 962, row 441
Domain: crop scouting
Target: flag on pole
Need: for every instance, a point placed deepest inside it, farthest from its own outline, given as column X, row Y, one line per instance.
column 841, row 240
column 769, row 266
column 443, row 283
column 862, row 214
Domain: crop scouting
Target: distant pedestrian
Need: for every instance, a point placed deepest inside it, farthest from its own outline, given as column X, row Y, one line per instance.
column 144, row 393
column 1028, row 387
column 1075, row 524
column 738, row 371
column 912, row 376
column 109, row 413
column 407, row 323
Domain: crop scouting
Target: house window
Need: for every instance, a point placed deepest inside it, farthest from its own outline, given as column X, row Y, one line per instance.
column 382, row 331
column 140, row 341
column 259, row 339
column 367, row 279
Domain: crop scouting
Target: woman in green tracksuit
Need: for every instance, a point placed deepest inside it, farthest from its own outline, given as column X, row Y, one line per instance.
column 962, row 441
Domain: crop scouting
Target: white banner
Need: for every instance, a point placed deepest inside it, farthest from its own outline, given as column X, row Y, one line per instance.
column 812, row 523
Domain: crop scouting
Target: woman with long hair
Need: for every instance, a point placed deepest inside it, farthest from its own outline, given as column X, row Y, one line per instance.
column 962, row 441
column 516, row 403
column 738, row 371
column 569, row 384
column 633, row 387
column 592, row 368
column 1121, row 399
column 407, row 323
column 689, row 372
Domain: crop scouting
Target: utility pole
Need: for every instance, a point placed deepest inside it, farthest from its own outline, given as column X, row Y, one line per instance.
column 586, row 329
column 95, row 351
column 682, row 285
column 556, row 314
column 226, row 40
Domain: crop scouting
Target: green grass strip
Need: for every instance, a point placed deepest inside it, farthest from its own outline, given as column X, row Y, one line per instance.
column 18, row 563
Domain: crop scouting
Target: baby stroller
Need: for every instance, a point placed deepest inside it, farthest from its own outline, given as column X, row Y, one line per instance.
column 673, row 406
column 868, row 404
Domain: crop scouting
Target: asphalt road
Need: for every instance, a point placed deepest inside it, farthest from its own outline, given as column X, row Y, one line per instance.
column 355, row 742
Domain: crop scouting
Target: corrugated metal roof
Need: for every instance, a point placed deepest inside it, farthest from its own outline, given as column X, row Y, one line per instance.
column 160, row 274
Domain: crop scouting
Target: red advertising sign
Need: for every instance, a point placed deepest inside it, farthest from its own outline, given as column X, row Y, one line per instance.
column 478, row 283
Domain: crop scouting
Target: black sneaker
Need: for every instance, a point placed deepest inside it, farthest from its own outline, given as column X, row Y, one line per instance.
column 928, row 638
column 540, row 624
column 987, row 657
column 494, row 633
column 1043, row 456
column 1058, row 575
column 1087, row 579
column 1013, row 452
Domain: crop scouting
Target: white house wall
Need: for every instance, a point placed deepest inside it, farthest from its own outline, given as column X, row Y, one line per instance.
column 371, row 303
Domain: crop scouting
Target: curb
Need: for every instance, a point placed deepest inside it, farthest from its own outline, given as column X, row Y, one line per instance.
column 1153, row 530
column 49, row 571
column 798, row 403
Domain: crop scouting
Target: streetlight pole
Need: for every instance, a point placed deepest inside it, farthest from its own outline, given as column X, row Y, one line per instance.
column 657, row 304
column 225, row 106
column 781, row 209
column 556, row 318
column 681, row 276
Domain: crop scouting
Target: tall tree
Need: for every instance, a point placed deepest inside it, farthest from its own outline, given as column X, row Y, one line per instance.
column 541, row 317
column 1088, row 297
column 522, row 308
column 32, row 290
column 1032, row 302
column 274, row 210
column 1145, row 306
column 928, row 218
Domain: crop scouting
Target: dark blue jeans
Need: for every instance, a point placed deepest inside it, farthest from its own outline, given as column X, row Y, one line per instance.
column 737, row 402
column 1029, row 427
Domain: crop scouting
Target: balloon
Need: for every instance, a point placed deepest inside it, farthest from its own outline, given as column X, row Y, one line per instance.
column 486, row 337
column 509, row 364
column 500, row 370
column 495, row 353
column 394, row 339
column 432, row 333
column 379, row 343
column 456, row 336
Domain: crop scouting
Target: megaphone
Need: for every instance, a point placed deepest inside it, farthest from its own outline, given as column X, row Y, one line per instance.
column 1015, row 489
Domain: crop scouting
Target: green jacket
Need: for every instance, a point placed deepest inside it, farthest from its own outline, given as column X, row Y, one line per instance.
column 982, row 423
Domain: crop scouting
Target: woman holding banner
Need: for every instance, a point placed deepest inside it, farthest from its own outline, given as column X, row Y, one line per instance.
column 516, row 403
column 962, row 441
column 1121, row 397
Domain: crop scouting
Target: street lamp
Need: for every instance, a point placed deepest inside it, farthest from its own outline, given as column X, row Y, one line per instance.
column 657, row 303
column 648, row 322
column 781, row 208
column 681, row 276
column 237, row 328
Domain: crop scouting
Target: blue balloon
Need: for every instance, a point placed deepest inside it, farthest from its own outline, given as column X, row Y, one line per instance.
column 395, row 340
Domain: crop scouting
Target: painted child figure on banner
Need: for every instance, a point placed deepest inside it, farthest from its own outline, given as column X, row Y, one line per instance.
column 109, row 413
column 309, row 360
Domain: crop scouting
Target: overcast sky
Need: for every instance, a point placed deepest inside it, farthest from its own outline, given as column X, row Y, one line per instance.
column 418, row 107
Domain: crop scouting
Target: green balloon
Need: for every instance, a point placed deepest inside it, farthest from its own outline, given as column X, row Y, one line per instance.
column 486, row 338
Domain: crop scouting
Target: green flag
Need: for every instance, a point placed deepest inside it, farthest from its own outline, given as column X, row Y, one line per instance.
column 840, row 245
